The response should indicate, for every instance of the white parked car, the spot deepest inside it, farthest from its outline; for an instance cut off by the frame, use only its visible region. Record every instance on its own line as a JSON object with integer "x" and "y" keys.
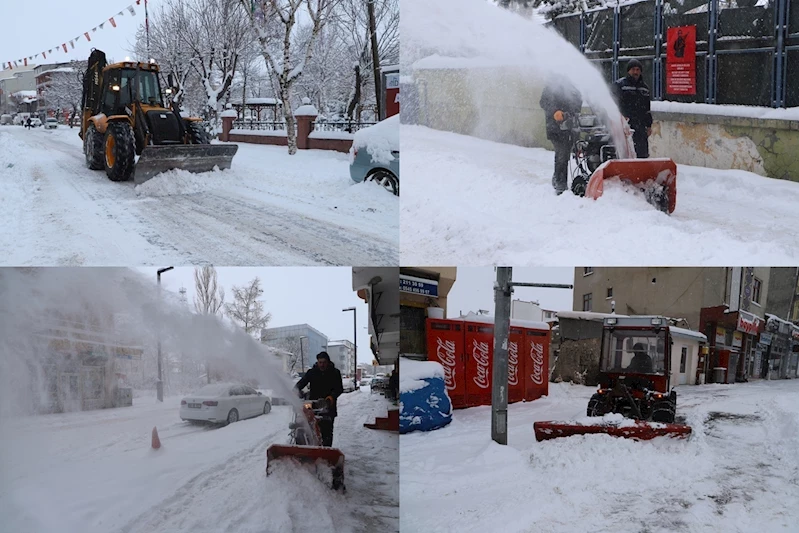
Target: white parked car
{"x": 36, "y": 122}
{"x": 50, "y": 123}
{"x": 366, "y": 382}
{"x": 224, "y": 403}
{"x": 348, "y": 384}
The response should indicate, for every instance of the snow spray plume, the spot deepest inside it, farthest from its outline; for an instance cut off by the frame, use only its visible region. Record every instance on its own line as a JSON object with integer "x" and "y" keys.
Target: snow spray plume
{"x": 494, "y": 43}
{"x": 51, "y": 316}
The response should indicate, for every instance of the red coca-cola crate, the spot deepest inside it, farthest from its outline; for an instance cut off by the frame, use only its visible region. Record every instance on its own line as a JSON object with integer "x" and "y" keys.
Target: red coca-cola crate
{"x": 516, "y": 382}
{"x": 479, "y": 360}
{"x": 445, "y": 345}
{"x": 536, "y": 363}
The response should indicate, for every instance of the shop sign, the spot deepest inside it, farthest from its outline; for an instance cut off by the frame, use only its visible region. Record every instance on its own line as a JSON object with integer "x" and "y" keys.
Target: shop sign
{"x": 749, "y": 323}
{"x": 425, "y": 287}
{"x": 721, "y": 335}
{"x": 765, "y": 338}
{"x": 737, "y": 339}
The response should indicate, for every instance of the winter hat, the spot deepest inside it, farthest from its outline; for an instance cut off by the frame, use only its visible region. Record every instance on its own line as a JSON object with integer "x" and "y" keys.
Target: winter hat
{"x": 322, "y": 355}
{"x": 634, "y": 63}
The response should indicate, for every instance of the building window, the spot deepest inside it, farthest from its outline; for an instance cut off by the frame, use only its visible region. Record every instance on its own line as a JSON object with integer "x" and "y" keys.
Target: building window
{"x": 587, "y": 271}
{"x": 610, "y": 292}
{"x": 587, "y": 302}
{"x": 683, "y": 357}
{"x": 757, "y": 286}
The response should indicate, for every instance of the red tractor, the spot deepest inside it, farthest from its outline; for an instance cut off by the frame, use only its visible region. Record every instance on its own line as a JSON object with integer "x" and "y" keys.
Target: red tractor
{"x": 634, "y": 372}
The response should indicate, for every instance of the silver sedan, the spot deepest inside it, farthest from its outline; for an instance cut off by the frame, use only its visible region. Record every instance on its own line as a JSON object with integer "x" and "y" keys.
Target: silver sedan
{"x": 224, "y": 403}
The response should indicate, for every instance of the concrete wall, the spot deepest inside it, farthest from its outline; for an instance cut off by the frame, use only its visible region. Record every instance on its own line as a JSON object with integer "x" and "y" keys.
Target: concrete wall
{"x": 765, "y": 147}
{"x": 576, "y": 357}
{"x": 691, "y": 360}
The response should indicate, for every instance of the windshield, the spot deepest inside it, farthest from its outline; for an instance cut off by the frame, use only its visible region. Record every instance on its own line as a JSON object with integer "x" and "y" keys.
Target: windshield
{"x": 634, "y": 351}
{"x": 149, "y": 92}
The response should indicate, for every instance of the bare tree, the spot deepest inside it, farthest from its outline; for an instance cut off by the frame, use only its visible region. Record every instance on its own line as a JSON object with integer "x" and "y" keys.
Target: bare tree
{"x": 247, "y": 310}
{"x": 65, "y": 88}
{"x": 278, "y": 19}
{"x": 208, "y": 299}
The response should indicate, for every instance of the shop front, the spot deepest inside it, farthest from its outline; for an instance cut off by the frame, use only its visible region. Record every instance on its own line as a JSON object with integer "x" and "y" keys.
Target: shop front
{"x": 780, "y": 340}
{"x": 735, "y": 354}
{"x": 422, "y": 294}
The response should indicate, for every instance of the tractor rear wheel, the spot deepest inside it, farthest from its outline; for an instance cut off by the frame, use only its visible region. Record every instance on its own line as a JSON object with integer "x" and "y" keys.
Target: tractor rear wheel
{"x": 120, "y": 151}
{"x": 197, "y": 135}
{"x": 595, "y": 406}
{"x": 93, "y": 148}
{"x": 663, "y": 411}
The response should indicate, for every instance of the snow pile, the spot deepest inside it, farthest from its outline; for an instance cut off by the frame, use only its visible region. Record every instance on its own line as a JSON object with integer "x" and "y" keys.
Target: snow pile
{"x": 179, "y": 181}
{"x": 307, "y": 110}
{"x": 456, "y": 33}
{"x": 791, "y": 113}
{"x": 379, "y": 140}
{"x": 229, "y": 113}
{"x": 425, "y": 404}
{"x": 610, "y": 419}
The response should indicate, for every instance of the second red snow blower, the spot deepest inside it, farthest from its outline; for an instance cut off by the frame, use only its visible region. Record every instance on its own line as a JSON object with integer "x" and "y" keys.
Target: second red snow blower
{"x": 634, "y": 370}
{"x": 597, "y": 160}
{"x": 305, "y": 445}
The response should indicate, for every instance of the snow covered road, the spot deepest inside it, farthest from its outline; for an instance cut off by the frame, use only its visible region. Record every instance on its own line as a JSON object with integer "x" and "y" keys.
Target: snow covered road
{"x": 268, "y": 209}
{"x": 94, "y": 471}
{"x": 469, "y": 201}
{"x": 739, "y": 472}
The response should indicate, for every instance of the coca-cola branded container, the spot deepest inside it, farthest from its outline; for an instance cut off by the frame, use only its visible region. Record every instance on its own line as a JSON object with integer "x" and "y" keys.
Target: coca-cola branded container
{"x": 465, "y": 348}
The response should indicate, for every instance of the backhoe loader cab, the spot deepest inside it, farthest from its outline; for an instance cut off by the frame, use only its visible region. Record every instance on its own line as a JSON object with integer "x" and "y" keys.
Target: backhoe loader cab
{"x": 124, "y": 115}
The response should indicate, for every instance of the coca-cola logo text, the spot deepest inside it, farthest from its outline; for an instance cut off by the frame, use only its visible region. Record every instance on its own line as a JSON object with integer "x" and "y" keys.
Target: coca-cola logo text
{"x": 513, "y": 363}
{"x": 480, "y": 354}
{"x": 537, "y": 355}
{"x": 445, "y": 352}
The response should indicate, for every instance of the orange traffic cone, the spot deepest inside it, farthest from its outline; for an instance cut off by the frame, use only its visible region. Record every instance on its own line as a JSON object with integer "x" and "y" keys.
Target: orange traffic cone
{"x": 156, "y": 440}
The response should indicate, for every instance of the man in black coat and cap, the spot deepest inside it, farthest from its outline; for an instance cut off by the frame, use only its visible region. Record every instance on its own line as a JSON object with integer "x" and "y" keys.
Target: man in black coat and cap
{"x": 559, "y": 100}
{"x": 325, "y": 381}
{"x": 632, "y": 95}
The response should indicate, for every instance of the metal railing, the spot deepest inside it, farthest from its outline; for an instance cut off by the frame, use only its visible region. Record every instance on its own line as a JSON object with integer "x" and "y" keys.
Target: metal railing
{"x": 345, "y": 126}
{"x": 264, "y": 125}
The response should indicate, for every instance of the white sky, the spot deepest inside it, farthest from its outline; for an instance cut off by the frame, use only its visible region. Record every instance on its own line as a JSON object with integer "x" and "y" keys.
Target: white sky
{"x": 30, "y": 29}
{"x": 474, "y": 289}
{"x": 294, "y": 295}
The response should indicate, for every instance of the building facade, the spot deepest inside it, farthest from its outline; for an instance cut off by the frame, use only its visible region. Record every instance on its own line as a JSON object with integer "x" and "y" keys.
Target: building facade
{"x": 300, "y": 339}
{"x": 342, "y": 353}
{"x": 12, "y": 82}
{"x": 378, "y": 287}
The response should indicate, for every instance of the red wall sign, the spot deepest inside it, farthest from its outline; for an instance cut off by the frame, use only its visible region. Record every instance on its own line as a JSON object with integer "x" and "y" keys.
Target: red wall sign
{"x": 681, "y": 60}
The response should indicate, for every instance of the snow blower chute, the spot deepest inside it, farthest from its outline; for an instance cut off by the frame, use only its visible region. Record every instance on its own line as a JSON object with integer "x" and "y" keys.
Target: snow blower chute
{"x": 305, "y": 446}
{"x": 633, "y": 399}
{"x": 597, "y": 160}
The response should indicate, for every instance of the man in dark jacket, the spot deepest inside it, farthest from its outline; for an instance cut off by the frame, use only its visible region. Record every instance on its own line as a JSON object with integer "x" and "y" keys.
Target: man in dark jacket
{"x": 393, "y": 383}
{"x": 325, "y": 381}
{"x": 632, "y": 95}
{"x": 559, "y": 100}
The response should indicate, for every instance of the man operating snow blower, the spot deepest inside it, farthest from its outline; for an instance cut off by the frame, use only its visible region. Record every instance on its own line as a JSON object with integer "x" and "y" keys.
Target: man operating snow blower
{"x": 325, "y": 381}
{"x": 559, "y": 100}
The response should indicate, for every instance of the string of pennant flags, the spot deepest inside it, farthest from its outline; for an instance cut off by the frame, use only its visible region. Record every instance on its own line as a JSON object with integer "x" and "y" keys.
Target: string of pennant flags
{"x": 86, "y": 35}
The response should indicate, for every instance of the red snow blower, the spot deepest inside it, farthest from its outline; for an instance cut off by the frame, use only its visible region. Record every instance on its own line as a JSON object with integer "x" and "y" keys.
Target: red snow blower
{"x": 634, "y": 366}
{"x": 597, "y": 161}
{"x": 305, "y": 446}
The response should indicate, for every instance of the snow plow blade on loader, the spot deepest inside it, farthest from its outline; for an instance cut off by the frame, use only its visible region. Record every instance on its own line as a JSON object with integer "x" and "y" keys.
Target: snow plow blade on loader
{"x": 191, "y": 157}
{"x": 633, "y": 429}
{"x": 657, "y": 177}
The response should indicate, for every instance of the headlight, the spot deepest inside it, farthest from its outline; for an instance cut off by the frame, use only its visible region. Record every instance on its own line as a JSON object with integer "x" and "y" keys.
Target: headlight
{"x": 115, "y": 87}
{"x": 611, "y": 321}
{"x": 656, "y": 322}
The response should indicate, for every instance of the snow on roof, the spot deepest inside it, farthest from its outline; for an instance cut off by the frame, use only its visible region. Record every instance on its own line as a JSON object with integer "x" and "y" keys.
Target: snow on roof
{"x": 412, "y": 373}
{"x": 379, "y": 140}
{"x": 26, "y": 93}
{"x": 587, "y": 315}
{"x": 62, "y": 69}
{"x": 488, "y": 319}
{"x": 741, "y": 111}
{"x": 257, "y": 101}
{"x": 681, "y": 332}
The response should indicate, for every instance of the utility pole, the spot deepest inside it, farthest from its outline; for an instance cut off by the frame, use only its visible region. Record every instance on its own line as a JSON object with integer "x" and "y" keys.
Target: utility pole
{"x": 370, "y": 6}
{"x": 503, "y": 289}
{"x": 302, "y": 355}
{"x": 159, "y": 386}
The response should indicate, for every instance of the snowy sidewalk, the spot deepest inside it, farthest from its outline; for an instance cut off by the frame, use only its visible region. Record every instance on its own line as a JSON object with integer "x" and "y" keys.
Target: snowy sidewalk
{"x": 739, "y": 472}
{"x": 469, "y": 201}
{"x": 94, "y": 471}
{"x": 268, "y": 209}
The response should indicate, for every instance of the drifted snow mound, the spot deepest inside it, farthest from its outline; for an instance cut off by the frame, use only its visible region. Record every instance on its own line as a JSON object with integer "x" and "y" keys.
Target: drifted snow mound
{"x": 424, "y": 402}
{"x": 379, "y": 140}
{"x": 178, "y": 181}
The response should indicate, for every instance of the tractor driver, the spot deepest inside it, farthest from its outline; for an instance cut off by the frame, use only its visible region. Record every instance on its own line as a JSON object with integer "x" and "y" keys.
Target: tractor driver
{"x": 641, "y": 362}
{"x": 325, "y": 381}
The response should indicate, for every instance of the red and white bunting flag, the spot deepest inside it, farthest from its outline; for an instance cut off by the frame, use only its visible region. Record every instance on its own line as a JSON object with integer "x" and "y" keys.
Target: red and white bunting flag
{"x": 101, "y": 25}
{"x": 138, "y": 2}
{"x": 72, "y": 44}
{"x": 15, "y": 63}
{"x": 131, "y": 10}
{"x": 121, "y": 14}
{"x": 65, "y": 47}
{"x": 26, "y": 61}
{"x": 44, "y": 55}
{"x": 111, "y": 20}
{"x": 94, "y": 29}
{"x": 9, "y": 65}
{"x": 87, "y": 36}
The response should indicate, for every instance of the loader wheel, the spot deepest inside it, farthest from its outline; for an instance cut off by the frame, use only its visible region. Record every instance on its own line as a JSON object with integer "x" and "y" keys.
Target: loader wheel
{"x": 120, "y": 150}
{"x": 93, "y": 148}
{"x": 663, "y": 411}
{"x": 197, "y": 135}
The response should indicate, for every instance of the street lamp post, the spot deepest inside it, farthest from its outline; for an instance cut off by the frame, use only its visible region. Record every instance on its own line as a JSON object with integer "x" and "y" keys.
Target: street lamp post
{"x": 160, "y": 383}
{"x": 354, "y": 339}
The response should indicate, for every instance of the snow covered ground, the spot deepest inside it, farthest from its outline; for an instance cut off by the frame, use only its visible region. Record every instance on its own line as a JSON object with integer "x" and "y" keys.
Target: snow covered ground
{"x": 739, "y": 471}
{"x": 268, "y": 209}
{"x": 94, "y": 471}
{"x": 469, "y": 201}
